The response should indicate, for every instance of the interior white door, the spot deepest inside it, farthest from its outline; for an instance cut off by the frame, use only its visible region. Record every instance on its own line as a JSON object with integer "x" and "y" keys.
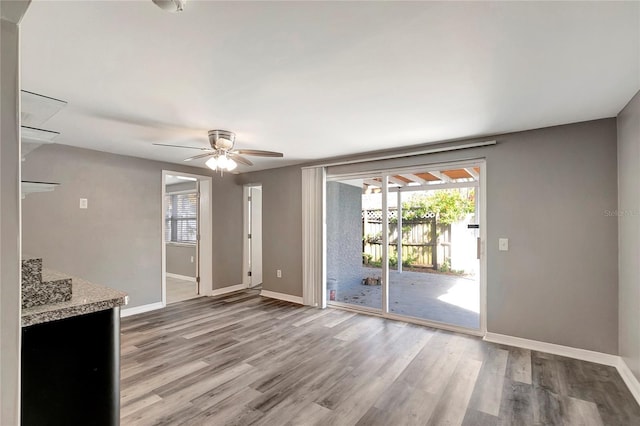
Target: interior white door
{"x": 256, "y": 236}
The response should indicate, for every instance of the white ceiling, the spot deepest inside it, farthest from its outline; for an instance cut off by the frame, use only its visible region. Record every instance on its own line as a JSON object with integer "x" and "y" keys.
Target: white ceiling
{"x": 316, "y": 79}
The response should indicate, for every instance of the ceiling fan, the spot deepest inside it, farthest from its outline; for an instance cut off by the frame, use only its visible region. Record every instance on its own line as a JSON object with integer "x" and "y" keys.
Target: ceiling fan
{"x": 222, "y": 152}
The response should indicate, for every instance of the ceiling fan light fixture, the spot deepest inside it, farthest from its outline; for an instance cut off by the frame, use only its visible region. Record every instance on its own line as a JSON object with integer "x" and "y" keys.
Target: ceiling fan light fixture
{"x": 212, "y": 163}
{"x": 222, "y": 162}
{"x": 223, "y": 156}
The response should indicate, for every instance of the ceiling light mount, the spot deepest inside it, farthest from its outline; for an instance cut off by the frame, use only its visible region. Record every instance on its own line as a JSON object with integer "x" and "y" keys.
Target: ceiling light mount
{"x": 222, "y": 139}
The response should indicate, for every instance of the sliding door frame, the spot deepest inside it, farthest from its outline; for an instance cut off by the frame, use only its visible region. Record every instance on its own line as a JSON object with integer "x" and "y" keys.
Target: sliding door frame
{"x": 482, "y": 205}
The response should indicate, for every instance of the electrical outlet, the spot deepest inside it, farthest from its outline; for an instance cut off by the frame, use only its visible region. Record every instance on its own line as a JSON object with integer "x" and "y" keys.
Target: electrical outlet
{"x": 84, "y": 203}
{"x": 503, "y": 244}
{"x": 279, "y": 273}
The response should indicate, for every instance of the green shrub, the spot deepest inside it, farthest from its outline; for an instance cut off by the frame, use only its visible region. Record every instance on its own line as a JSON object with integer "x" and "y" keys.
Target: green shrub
{"x": 446, "y": 267}
{"x": 373, "y": 239}
{"x": 408, "y": 262}
{"x": 393, "y": 261}
{"x": 449, "y": 204}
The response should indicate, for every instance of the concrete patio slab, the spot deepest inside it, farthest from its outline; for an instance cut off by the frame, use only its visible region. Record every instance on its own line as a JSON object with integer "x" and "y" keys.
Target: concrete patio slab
{"x": 449, "y": 299}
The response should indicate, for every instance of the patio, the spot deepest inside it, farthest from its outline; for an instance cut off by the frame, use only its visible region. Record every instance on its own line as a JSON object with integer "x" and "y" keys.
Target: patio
{"x": 449, "y": 299}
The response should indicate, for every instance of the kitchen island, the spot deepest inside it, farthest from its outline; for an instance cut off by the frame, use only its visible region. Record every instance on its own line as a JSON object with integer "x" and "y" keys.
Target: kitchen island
{"x": 71, "y": 358}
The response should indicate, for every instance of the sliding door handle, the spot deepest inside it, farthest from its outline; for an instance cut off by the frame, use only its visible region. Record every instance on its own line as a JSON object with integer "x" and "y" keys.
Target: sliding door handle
{"x": 478, "y": 247}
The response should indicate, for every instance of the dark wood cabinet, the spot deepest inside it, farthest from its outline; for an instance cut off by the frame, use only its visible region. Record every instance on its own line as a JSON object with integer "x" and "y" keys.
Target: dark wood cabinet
{"x": 71, "y": 371}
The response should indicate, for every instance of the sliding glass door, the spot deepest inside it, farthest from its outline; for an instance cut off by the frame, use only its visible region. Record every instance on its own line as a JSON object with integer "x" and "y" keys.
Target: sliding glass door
{"x": 433, "y": 247}
{"x": 354, "y": 242}
{"x": 407, "y": 243}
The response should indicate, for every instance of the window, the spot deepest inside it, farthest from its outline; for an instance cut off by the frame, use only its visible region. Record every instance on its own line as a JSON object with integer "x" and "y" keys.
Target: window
{"x": 181, "y": 218}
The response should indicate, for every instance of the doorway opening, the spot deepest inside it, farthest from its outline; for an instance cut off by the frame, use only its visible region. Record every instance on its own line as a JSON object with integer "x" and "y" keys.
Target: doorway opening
{"x": 252, "y": 265}
{"x": 408, "y": 244}
{"x": 186, "y": 230}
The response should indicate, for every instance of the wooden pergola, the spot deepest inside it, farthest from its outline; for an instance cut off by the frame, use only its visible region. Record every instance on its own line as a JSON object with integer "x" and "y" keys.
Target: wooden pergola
{"x": 426, "y": 181}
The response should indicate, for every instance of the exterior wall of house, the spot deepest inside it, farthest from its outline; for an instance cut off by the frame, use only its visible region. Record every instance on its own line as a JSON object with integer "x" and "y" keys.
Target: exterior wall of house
{"x": 117, "y": 241}
{"x": 629, "y": 233}
{"x": 344, "y": 234}
{"x": 464, "y": 246}
{"x": 548, "y": 191}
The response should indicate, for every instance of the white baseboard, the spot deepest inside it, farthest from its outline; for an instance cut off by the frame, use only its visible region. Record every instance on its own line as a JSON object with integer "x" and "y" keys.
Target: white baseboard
{"x": 225, "y": 290}
{"x": 181, "y": 277}
{"x": 281, "y": 296}
{"x": 582, "y": 354}
{"x": 141, "y": 309}
{"x": 629, "y": 379}
{"x": 552, "y": 348}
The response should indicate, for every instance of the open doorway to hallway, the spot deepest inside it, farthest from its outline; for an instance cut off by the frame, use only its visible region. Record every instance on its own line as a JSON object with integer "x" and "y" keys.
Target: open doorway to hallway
{"x": 181, "y": 237}
{"x": 187, "y": 238}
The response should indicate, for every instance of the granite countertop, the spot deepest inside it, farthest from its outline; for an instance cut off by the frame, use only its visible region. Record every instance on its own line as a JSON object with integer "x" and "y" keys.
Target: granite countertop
{"x": 86, "y": 298}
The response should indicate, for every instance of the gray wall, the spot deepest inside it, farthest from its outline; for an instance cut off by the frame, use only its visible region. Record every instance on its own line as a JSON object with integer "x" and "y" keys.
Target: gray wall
{"x": 179, "y": 259}
{"x": 227, "y": 231}
{"x": 344, "y": 234}
{"x": 547, "y": 191}
{"x": 629, "y": 234}
{"x": 281, "y": 227}
{"x": 117, "y": 241}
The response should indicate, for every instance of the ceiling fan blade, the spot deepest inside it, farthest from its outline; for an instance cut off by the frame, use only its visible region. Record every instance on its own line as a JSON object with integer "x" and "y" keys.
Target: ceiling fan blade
{"x": 182, "y": 146}
{"x": 239, "y": 158}
{"x": 258, "y": 153}
{"x": 195, "y": 157}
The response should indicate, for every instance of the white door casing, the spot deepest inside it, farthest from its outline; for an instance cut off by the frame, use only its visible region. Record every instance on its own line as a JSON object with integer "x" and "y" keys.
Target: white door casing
{"x": 205, "y": 232}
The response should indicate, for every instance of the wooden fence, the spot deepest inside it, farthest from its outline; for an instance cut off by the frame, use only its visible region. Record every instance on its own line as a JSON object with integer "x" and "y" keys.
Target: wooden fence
{"x": 424, "y": 240}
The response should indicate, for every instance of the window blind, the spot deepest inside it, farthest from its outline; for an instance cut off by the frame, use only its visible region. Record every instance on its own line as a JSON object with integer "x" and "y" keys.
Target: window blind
{"x": 181, "y": 218}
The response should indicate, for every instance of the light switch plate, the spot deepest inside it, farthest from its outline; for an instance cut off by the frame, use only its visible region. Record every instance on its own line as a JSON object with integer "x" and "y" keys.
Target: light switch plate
{"x": 503, "y": 244}
{"x": 84, "y": 203}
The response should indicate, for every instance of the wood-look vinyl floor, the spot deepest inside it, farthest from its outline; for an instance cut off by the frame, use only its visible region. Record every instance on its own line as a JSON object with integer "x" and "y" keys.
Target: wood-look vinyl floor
{"x": 241, "y": 359}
